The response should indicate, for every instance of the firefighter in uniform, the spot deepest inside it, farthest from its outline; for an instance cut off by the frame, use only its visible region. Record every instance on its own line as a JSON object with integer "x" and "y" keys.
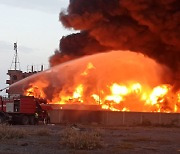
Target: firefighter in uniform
{"x": 36, "y": 118}
{"x": 46, "y": 118}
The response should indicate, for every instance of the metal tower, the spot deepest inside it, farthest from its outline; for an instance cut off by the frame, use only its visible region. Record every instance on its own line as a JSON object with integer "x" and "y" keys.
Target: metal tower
{"x": 15, "y": 65}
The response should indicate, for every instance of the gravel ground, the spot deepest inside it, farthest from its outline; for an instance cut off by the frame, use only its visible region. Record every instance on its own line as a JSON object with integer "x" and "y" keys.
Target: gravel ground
{"x": 114, "y": 140}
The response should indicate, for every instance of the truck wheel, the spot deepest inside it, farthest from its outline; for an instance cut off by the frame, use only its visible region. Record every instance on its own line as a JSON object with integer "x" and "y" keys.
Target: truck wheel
{"x": 31, "y": 120}
{"x": 25, "y": 120}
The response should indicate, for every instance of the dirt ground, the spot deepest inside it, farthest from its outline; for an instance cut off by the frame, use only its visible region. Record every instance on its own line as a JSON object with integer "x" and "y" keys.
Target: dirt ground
{"x": 140, "y": 140}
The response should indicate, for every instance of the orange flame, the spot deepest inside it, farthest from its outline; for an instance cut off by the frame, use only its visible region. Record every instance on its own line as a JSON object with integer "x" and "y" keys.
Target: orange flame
{"x": 36, "y": 89}
{"x": 128, "y": 95}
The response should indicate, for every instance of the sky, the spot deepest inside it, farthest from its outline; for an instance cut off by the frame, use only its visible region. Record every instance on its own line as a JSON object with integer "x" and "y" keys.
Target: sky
{"x": 35, "y": 26}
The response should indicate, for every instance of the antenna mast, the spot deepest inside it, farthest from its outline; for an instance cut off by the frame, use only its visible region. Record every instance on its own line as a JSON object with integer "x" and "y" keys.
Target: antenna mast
{"x": 15, "y": 58}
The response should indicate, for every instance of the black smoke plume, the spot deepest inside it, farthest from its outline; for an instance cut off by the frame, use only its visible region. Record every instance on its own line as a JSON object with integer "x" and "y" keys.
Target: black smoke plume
{"x": 147, "y": 26}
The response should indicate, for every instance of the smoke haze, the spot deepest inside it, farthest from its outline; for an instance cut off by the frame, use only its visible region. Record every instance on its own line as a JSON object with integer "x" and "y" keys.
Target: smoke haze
{"x": 147, "y": 26}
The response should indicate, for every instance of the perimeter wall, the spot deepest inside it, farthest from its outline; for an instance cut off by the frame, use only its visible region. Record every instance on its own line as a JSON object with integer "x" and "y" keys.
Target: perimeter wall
{"x": 112, "y": 118}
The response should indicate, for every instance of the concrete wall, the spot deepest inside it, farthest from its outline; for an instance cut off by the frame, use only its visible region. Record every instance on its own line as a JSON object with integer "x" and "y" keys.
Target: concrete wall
{"x": 114, "y": 118}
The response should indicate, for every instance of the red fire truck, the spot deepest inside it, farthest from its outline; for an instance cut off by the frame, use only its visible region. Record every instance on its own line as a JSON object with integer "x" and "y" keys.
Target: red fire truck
{"x": 23, "y": 110}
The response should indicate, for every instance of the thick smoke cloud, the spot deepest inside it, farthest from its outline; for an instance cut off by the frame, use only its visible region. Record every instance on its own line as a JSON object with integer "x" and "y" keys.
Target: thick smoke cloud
{"x": 147, "y": 26}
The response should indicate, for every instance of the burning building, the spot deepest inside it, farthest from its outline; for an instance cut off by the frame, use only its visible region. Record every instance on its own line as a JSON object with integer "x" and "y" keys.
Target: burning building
{"x": 124, "y": 57}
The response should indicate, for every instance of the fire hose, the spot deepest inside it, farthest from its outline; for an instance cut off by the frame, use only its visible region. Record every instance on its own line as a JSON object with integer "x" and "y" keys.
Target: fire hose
{"x": 4, "y": 89}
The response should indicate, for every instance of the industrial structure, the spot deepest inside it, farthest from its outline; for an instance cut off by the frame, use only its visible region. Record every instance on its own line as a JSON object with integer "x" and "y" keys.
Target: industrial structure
{"x": 18, "y": 109}
{"x": 15, "y": 73}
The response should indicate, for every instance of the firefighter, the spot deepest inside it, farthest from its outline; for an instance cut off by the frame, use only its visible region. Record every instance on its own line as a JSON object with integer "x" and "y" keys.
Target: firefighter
{"x": 36, "y": 118}
{"x": 46, "y": 118}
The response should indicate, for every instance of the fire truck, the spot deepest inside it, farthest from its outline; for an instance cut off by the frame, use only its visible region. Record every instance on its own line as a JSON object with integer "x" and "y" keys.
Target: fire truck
{"x": 23, "y": 110}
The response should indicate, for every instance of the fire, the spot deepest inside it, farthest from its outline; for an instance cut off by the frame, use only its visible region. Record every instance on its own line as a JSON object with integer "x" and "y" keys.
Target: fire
{"x": 158, "y": 94}
{"x": 78, "y": 93}
{"x": 117, "y": 93}
{"x": 119, "y": 90}
{"x": 89, "y": 66}
{"x": 136, "y": 87}
{"x": 124, "y": 87}
{"x": 36, "y": 89}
